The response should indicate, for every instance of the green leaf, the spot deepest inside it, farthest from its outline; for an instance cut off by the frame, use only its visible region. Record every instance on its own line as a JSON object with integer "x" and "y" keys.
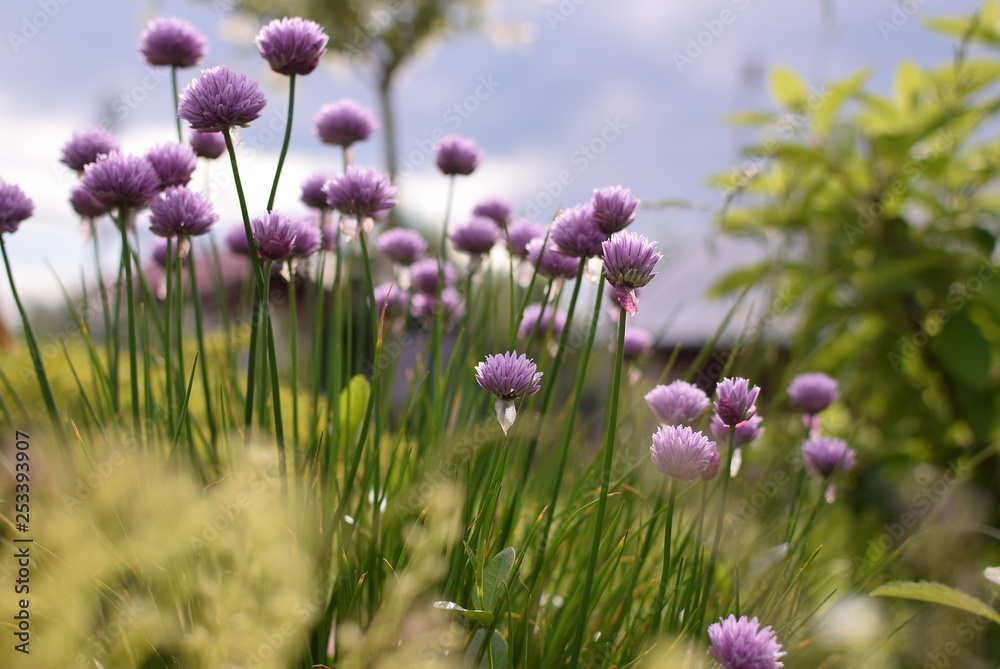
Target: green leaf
{"x": 353, "y": 401}
{"x": 751, "y": 118}
{"x": 497, "y": 573}
{"x": 788, "y": 89}
{"x": 910, "y": 81}
{"x": 964, "y": 351}
{"x": 937, "y": 593}
{"x": 498, "y": 648}
{"x": 485, "y": 618}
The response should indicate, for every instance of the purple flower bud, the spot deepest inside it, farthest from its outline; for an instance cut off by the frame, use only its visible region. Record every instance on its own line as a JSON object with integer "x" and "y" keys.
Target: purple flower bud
{"x": 85, "y": 204}
{"x": 550, "y": 263}
{"x": 457, "y": 155}
{"x": 713, "y": 466}
{"x": 15, "y": 207}
{"x": 813, "y": 392}
{"x": 403, "y": 247}
{"x": 746, "y": 432}
{"x": 824, "y": 456}
{"x": 424, "y": 275}
{"x": 575, "y": 234}
{"x": 343, "y": 123}
{"x": 681, "y": 453}
{"x": 173, "y": 163}
{"x": 120, "y": 180}
{"x": 509, "y": 376}
{"x": 219, "y": 100}
{"x": 741, "y": 644}
{"x": 361, "y": 191}
{"x": 614, "y": 209}
{"x": 676, "y": 403}
{"x": 735, "y": 401}
{"x": 274, "y": 235}
{"x": 496, "y": 209}
{"x": 180, "y": 212}
{"x": 424, "y": 307}
{"x": 476, "y": 237}
{"x": 171, "y": 41}
{"x": 209, "y": 145}
{"x": 308, "y": 238}
{"x": 530, "y": 322}
{"x": 85, "y": 146}
{"x": 638, "y": 342}
{"x": 312, "y": 190}
{"x": 393, "y": 299}
{"x": 629, "y": 259}
{"x": 292, "y": 46}
{"x": 522, "y": 231}
{"x": 236, "y": 241}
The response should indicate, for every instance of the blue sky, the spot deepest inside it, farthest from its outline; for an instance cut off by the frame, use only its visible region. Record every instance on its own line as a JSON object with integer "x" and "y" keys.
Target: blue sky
{"x": 599, "y": 92}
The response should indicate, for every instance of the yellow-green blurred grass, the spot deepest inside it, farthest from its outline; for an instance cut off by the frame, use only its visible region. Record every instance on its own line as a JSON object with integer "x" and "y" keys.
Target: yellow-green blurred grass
{"x": 134, "y": 560}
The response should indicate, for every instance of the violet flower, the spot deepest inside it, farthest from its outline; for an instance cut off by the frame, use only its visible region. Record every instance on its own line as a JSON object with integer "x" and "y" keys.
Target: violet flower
{"x": 208, "y": 145}
{"x": 508, "y": 377}
{"x": 85, "y": 204}
{"x": 457, "y": 155}
{"x": 629, "y": 259}
{"x": 274, "y": 235}
{"x": 813, "y": 392}
{"x": 168, "y": 40}
{"x": 520, "y": 232}
{"x": 85, "y": 146}
{"x": 496, "y": 209}
{"x": 181, "y": 212}
{"x": 15, "y": 207}
{"x": 735, "y": 401}
{"x": 682, "y": 453}
{"x": 173, "y": 163}
{"x": 476, "y": 237}
{"x": 614, "y": 209}
{"x": 551, "y": 263}
{"x": 825, "y": 456}
{"x": 219, "y": 100}
{"x": 741, "y": 644}
{"x": 676, "y": 403}
{"x": 401, "y": 246}
{"x": 343, "y": 123}
{"x": 292, "y": 45}
{"x": 120, "y": 180}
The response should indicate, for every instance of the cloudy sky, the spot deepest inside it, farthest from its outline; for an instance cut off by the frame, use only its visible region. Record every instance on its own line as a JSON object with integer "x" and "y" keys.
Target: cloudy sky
{"x": 563, "y": 97}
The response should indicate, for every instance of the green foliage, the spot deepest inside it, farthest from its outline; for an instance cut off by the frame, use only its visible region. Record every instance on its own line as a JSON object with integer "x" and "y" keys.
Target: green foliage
{"x": 938, "y": 593}
{"x": 878, "y": 214}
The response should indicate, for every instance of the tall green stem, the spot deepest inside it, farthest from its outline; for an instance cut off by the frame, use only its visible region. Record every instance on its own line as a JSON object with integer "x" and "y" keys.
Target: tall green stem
{"x": 661, "y": 599}
{"x": 718, "y": 525}
{"x": 133, "y": 360}
{"x": 293, "y": 317}
{"x": 284, "y": 143}
{"x": 199, "y": 330}
{"x": 602, "y": 500}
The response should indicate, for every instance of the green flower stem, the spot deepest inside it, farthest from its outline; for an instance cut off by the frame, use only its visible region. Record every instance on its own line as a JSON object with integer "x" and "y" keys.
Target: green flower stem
{"x": 177, "y": 118}
{"x": 602, "y": 501}
{"x": 661, "y": 598}
{"x": 438, "y": 335}
{"x": 36, "y": 356}
{"x": 167, "y": 344}
{"x": 102, "y": 289}
{"x": 199, "y": 330}
{"x": 182, "y": 386}
{"x": 710, "y": 573}
{"x": 284, "y": 143}
{"x": 133, "y": 360}
{"x": 279, "y": 432}
{"x": 294, "y": 334}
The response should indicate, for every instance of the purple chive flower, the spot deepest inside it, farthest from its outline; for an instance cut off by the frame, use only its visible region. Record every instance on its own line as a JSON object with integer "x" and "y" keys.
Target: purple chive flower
{"x": 508, "y": 377}
{"x": 522, "y": 231}
{"x": 15, "y": 207}
{"x": 219, "y": 100}
{"x": 530, "y": 322}
{"x": 393, "y": 299}
{"x": 160, "y": 252}
{"x": 735, "y": 401}
{"x": 85, "y": 204}
{"x": 330, "y": 237}
{"x": 171, "y": 41}
{"x": 496, "y": 209}
{"x": 403, "y": 247}
{"x": 682, "y": 453}
{"x": 424, "y": 306}
{"x": 343, "y": 123}
{"x": 180, "y": 211}
{"x": 826, "y": 455}
{"x": 476, "y": 237}
{"x": 813, "y": 392}
{"x": 361, "y": 191}
{"x": 629, "y": 259}
{"x": 424, "y": 275}
{"x": 121, "y": 180}
{"x": 678, "y": 402}
{"x": 308, "y": 239}
{"x": 312, "y": 190}
{"x": 746, "y": 432}
{"x": 457, "y": 155}
{"x": 550, "y": 263}
{"x": 236, "y": 241}
{"x": 638, "y": 342}
{"x": 274, "y": 235}
{"x": 209, "y": 145}
{"x": 85, "y": 146}
{"x": 292, "y": 46}
{"x": 173, "y": 163}
{"x": 614, "y": 209}
{"x": 575, "y": 234}
{"x": 741, "y": 644}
